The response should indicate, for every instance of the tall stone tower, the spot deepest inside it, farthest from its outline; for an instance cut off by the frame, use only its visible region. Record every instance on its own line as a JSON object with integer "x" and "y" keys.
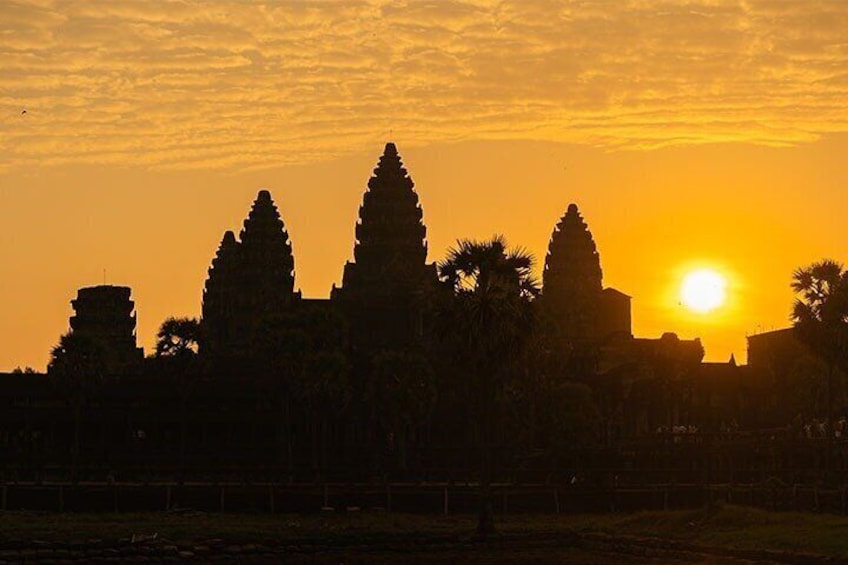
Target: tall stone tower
{"x": 250, "y": 282}
{"x": 383, "y": 288}
{"x": 266, "y": 262}
{"x": 572, "y": 278}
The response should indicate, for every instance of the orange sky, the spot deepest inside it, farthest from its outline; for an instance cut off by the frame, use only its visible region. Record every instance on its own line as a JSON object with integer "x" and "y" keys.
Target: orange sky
{"x": 689, "y": 133}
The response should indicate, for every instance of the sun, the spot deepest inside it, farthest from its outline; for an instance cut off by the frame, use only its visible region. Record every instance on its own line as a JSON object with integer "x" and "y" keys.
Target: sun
{"x": 703, "y": 290}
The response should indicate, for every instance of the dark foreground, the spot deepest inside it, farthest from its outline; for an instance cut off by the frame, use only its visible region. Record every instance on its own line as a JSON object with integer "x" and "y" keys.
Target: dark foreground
{"x": 715, "y": 535}
{"x": 522, "y": 552}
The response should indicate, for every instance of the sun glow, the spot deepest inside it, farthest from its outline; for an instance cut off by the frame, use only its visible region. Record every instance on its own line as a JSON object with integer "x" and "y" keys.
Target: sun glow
{"x": 703, "y": 290}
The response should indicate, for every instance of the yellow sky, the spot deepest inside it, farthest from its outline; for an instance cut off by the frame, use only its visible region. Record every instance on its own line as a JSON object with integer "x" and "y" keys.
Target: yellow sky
{"x": 690, "y": 134}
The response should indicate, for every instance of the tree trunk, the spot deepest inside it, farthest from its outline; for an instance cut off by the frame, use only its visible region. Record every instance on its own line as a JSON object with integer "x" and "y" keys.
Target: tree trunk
{"x": 75, "y": 453}
{"x": 486, "y": 515}
{"x": 183, "y": 434}
{"x": 316, "y": 456}
{"x": 287, "y": 431}
{"x": 324, "y": 427}
{"x": 829, "y": 428}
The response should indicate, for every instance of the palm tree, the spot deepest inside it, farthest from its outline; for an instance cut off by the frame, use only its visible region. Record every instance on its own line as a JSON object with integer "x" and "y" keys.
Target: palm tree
{"x": 491, "y": 318}
{"x": 820, "y": 316}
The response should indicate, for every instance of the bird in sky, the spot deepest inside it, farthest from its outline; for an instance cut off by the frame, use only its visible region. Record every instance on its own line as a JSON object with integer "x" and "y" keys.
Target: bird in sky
{"x": 24, "y": 111}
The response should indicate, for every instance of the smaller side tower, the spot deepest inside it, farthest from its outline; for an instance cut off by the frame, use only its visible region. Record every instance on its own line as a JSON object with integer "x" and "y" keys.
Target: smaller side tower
{"x": 573, "y": 292}
{"x": 220, "y": 300}
{"x": 572, "y": 279}
{"x": 105, "y": 314}
{"x": 250, "y": 285}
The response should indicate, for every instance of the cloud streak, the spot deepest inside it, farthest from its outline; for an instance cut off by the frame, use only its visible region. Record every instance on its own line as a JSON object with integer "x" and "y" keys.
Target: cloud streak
{"x": 238, "y": 85}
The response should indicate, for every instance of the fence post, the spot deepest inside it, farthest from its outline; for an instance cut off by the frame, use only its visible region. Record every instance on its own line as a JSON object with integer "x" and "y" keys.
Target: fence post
{"x": 5, "y": 489}
{"x": 61, "y": 498}
{"x": 271, "y": 502}
{"x": 505, "y": 502}
{"x": 446, "y": 501}
{"x": 388, "y": 497}
{"x": 222, "y": 499}
{"x": 167, "y": 498}
{"x": 115, "y": 498}
{"x": 326, "y": 496}
{"x": 665, "y": 497}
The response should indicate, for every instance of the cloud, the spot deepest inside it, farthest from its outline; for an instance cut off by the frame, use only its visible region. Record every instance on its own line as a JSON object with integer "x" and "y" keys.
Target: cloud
{"x": 243, "y": 85}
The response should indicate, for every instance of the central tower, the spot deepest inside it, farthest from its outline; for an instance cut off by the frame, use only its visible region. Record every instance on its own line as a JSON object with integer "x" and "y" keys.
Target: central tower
{"x": 383, "y": 287}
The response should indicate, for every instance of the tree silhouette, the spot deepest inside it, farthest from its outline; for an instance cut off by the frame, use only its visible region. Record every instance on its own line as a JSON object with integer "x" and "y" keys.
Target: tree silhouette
{"x": 176, "y": 359}
{"x": 301, "y": 364}
{"x": 78, "y": 363}
{"x": 820, "y": 316}
{"x": 401, "y": 389}
{"x": 324, "y": 388}
{"x": 555, "y": 413}
{"x": 279, "y": 352}
{"x": 178, "y": 337}
{"x": 491, "y": 317}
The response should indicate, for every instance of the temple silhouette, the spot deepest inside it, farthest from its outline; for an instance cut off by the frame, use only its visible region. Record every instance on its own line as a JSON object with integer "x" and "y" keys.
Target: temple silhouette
{"x": 283, "y": 387}
{"x": 385, "y": 289}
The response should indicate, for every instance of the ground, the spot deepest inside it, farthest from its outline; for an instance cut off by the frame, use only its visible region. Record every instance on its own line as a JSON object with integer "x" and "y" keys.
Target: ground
{"x": 716, "y": 535}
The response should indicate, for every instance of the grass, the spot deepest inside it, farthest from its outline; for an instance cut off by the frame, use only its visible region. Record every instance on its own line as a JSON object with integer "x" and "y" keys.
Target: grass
{"x": 236, "y": 528}
{"x": 731, "y": 526}
{"x": 720, "y": 525}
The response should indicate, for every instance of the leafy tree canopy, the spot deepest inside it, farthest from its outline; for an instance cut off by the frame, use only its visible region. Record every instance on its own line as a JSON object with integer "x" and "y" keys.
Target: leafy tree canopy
{"x": 178, "y": 337}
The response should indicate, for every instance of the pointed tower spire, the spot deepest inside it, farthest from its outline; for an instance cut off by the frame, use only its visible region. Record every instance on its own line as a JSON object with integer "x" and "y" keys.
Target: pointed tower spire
{"x": 220, "y": 297}
{"x": 249, "y": 283}
{"x": 267, "y": 262}
{"x": 382, "y": 287}
{"x": 572, "y": 278}
{"x": 390, "y": 248}
{"x": 222, "y": 271}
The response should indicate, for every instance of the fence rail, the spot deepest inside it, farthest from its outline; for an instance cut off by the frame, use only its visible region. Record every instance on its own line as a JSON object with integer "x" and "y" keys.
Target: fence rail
{"x": 430, "y": 498}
